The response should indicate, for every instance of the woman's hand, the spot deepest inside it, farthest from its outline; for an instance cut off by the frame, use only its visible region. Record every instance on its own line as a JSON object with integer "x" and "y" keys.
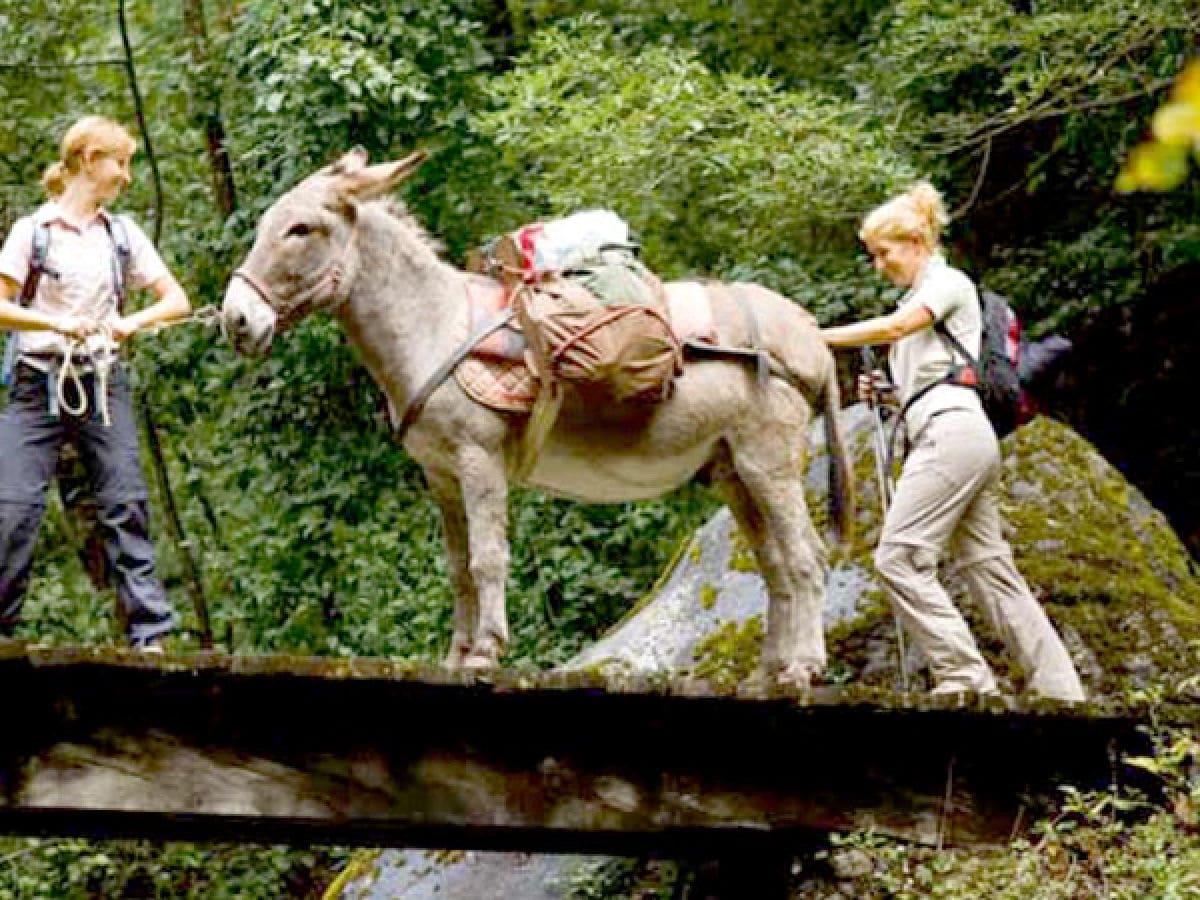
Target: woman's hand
{"x": 123, "y": 328}
{"x": 876, "y": 388}
{"x": 76, "y": 327}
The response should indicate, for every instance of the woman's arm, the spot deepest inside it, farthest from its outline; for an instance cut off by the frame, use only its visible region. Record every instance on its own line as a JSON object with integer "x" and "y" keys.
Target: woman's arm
{"x": 14, "y": 317}
{"x": 172, "y": 304}
{"x": 881, "y": 329}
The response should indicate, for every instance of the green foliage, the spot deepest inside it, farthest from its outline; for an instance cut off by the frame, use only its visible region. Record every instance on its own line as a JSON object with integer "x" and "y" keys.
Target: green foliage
{"x": 729, "y": 37}
{"x": 1026, "y": 143}
{"x": 84, "y": 870}
{"x": 755, "y": 174}
{"x": 626, "y": 877}
{"x": 980, "y": 70}
{"x": 1109, "y": 843}
{"x": 310, "y": 79}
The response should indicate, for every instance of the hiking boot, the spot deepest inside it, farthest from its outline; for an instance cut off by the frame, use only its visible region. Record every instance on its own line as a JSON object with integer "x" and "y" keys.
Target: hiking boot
{"x": 151, "y": 645}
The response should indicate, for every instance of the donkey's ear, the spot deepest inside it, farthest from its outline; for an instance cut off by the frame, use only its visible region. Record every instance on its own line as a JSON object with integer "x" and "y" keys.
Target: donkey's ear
{"x": 371, "y": 182}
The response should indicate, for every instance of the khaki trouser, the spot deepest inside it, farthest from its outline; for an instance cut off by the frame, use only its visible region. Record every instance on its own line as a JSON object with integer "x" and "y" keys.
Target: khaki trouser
{"x": 945, "y": 500}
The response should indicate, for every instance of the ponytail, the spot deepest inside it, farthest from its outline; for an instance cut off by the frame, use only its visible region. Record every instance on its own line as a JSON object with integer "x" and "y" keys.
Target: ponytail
{"x": 927, "y": 202}
{"x": 54, "y": 180}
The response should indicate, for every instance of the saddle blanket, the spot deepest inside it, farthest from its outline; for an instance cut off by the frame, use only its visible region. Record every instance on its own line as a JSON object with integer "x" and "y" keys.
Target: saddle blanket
{"x": 496, "y": 375}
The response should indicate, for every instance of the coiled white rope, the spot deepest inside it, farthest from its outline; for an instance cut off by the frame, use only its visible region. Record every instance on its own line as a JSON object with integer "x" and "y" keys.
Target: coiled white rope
{"x": 101, "y": 358}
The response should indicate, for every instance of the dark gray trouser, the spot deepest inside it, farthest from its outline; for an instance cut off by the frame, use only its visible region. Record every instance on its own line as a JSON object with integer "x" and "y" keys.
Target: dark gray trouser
{"x": 30, "y": 440}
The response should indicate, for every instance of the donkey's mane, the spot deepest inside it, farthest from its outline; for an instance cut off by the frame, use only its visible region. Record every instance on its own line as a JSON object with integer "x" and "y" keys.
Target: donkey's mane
{"x": 399, "y": 212}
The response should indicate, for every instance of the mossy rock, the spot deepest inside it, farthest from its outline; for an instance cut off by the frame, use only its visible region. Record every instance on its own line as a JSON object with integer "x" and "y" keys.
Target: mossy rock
{"x": 1113, "y": 576}
{"x": 1112, "y": 573}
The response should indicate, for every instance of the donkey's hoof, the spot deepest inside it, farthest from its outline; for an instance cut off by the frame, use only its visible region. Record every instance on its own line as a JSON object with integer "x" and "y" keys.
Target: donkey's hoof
{"x": 479, "y": 662}
{"x": 455, "y": 657}
{"x": 788, "y": 680}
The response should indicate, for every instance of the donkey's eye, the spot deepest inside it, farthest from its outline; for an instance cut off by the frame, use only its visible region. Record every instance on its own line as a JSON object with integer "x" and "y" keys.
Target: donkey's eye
{"x": 299, "y": 230}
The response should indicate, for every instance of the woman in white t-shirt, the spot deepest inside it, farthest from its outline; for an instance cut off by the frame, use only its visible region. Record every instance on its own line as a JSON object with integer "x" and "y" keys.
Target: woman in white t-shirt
{"x": 945, "y": 506}
{"x": 67, "y": 383}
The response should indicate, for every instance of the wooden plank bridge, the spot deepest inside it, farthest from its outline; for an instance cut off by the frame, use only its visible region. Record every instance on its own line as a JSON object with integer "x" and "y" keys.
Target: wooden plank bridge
{"x": 299, "y": 750}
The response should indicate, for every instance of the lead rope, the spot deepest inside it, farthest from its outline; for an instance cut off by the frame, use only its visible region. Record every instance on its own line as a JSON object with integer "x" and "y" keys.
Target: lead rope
{"x": 102, "y": 358}
{"x": 68, "y": 373}
{"x": 205, "y": 315}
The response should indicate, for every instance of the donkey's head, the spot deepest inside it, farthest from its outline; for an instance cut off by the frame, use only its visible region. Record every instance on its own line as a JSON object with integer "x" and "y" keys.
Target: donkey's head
{"x": 304, "y": 256}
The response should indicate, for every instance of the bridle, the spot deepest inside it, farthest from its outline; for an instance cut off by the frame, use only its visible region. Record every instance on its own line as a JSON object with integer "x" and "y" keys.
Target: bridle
{"x": 325, "y": 291}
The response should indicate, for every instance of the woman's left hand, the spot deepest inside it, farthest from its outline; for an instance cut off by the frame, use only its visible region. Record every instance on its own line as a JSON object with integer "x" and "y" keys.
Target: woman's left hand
{"x": 123, "y": 328}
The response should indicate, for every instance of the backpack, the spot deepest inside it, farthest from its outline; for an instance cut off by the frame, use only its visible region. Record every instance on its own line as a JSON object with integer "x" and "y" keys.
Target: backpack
{"x": 995, "y": 374}
{"x": 40, "y": 250}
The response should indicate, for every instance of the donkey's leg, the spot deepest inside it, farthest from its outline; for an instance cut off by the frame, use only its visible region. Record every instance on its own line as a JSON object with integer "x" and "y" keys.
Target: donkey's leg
{"x": 767, "y": 464}
{"x": 781, "y": 619}
{"x": 808, "y": 565}
{"x": 448, "y": 495}
{"x": 485, "y": 498}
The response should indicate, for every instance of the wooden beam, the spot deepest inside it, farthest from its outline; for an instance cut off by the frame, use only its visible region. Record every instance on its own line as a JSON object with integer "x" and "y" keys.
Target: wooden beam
{"x": 297, "y": 750}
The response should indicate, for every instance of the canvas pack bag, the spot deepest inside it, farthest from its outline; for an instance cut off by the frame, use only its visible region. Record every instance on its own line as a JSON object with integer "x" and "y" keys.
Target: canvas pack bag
{"x": 601, "y": 324}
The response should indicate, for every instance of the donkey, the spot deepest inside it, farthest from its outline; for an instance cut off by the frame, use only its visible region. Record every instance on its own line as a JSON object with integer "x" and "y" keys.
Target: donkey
{"x": 328, "y": 244}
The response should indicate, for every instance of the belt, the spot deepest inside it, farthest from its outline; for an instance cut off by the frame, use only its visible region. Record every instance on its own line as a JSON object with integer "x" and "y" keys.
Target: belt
{"x": 44, "y": 362}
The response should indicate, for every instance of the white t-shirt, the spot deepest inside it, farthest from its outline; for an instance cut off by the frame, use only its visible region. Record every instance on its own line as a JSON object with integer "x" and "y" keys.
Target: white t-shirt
{"x": 924, "y": 357}
{"x": 81, "y": 258}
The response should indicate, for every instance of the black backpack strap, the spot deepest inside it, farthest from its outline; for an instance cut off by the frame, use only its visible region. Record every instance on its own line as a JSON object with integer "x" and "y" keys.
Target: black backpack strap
{"x": 944, "y": 333}
{"x": 38, "y": 253}
{"x": 119, "y": 235}
{"x": 953, "y": 377}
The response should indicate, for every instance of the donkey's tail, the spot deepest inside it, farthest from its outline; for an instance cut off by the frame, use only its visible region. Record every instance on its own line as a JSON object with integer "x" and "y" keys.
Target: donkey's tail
{"x": 841, "y": 471}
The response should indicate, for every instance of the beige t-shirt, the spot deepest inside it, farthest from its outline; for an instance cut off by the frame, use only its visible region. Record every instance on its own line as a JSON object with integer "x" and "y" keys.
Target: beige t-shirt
{"x": 81, "y": 258}
{"x": 924, "y": 357}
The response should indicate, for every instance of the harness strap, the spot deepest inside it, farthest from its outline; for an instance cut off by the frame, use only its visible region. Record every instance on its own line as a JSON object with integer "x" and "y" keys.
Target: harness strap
{"x": 38, "y": 255}
{"x": 256, "y": 284}
{"x": 416, "y": 404}
{"x": 764, "y": 365}
{"x": 955, "y": 344}
{"x": 958, "y": 376}
{"x": 762, "y": 369}
{"x": 119, "y": 236}
{"x": 37, "y": 266}
{"x": 37, "y": 263}
{"x": 950, "y": 378}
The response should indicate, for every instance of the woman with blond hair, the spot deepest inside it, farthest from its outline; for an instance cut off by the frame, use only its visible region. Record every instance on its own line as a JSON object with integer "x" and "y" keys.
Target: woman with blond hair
{"x": 945, "y": 505}
{"x": 63, "y": 272}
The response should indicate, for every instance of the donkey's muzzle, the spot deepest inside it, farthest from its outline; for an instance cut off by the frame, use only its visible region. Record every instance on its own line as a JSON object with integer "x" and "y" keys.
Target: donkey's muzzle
{"x": 246, "y": 319}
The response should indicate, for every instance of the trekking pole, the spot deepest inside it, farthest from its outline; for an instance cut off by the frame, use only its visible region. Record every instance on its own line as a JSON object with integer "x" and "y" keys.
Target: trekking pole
{"x": 879, "y": 435}
{"x": 886, "y": 485}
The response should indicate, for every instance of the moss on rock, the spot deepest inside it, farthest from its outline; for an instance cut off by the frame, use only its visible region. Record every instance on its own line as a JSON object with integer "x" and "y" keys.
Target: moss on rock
{"x": 1113, "y": 576}
{"x": 730, "y": 653}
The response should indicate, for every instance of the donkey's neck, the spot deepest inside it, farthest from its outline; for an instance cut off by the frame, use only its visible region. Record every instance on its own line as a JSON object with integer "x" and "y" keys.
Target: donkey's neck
{"x": 407, "y": 309}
